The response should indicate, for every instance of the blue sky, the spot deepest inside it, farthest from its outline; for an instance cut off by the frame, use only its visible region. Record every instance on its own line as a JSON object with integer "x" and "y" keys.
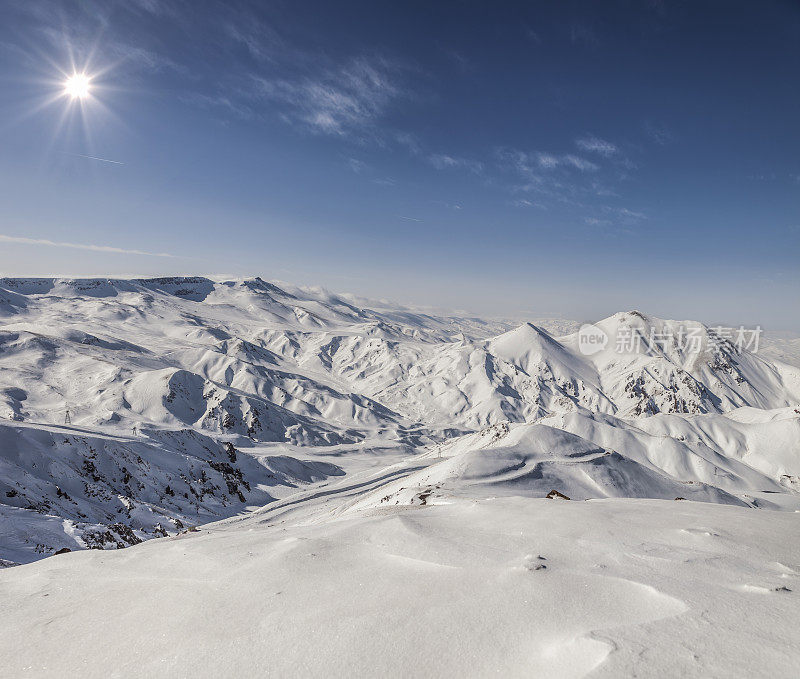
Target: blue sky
{"x": 570, "y": 158}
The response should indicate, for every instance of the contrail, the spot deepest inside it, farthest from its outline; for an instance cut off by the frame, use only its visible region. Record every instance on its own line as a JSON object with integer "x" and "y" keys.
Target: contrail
{"x": 80, "y": 246}
{"x": 410, "y": 219}
{"x": 104, "y": 160}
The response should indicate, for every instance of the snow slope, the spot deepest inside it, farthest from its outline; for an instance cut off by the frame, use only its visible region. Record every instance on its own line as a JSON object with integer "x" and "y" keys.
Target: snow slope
{"x": 511, "y": 587}
{"x": 112, "y": 491}
{"x": 338, "y": 486}
{"x": 158, "y": 377}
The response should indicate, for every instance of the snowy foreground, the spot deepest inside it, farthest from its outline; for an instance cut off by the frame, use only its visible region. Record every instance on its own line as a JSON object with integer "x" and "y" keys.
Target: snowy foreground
{"x": 497, "y": 586}
{"x": 203, "y": 478}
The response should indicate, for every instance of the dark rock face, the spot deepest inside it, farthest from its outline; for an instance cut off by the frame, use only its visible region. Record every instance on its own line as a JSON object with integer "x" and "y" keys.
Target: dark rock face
{"x": 111, "y": 493}
{"x": 555, "y": 495}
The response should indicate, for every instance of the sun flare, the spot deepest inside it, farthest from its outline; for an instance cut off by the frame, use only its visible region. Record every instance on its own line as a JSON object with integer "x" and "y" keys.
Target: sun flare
{"x": 77, "y": 86}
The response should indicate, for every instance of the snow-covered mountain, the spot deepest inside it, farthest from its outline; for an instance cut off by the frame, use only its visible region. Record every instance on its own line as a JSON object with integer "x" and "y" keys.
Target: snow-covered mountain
{"x": 136, "y": 408}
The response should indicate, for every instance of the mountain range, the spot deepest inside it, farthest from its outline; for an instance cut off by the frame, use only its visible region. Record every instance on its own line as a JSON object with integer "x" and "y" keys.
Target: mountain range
{"x": 132, "y": 409}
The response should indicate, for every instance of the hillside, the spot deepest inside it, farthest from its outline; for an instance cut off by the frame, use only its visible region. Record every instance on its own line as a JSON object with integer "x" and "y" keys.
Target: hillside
{"x": 137, "y": 408}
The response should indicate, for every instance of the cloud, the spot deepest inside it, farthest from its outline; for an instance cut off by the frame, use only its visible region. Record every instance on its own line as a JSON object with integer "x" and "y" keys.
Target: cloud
{"x": 157, "y": 7}
{"x": 597, "y": 145}
{"x": 548, "y": 161}
{"x": 659, "y": 134}
{"x": 579, "y": 163}
{"x": 80, "y": 246}
{"x": 409, "y": 219}
{"x": 516, "y": 160}
{"x": 237, "y": 108}
{"x": 532, "y": 35}
{"x": 570, "y": 180}
{"x": 626, "y": 215}
{"x": 599, "y": 189}
{"x": 442, "y": 162}
{"x": 580, "y": 34}
{"x": 459, "y": 59}
{"x": 449, "y": 206}
{"x": 260, "y": 41}
{"x": 356, "y": 165}
{"x": 339, "y": 101}
{"x": 528, "y": 203}
{"x": 76, "y": 35}
{"x": 533, "y": 168}
{"x": 410, "y": 142}
{"x": 630, "y": 214}
{"x": 144, "y": 58}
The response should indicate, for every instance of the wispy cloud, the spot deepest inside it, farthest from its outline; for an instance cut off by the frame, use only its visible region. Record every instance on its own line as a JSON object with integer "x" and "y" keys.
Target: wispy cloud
{"x": 449, "y": 206}
{"x": 157, "y": 7}
{"x": 625, "y": 214}
{"x": 220, "y": 102}
{"x": 534, "y": 170}
{"x": 579, "y": 163}
{"x": 630, "y": 214}
{"x": 658, "y": 133}
{"x": 459, "y": 59}
{"x": 339, "y": 101}
{"x": 571, "y": 181}
{"x": 515, "y": 159}
{"x": 581, "y": 34}
{"x": 442, "y": 162}
{"x": 596, "y": 145}
{"x": 532, "y": 35}
{"x": 599, "y": 189}
{"x": 410, "y": 142}
{"x": 523, "y": 202}
{"x": 409, "y": 219}
{"x": 262, "y": 42}
{"x": 144, "y": 58}
{"x": 80, "y": 246}
{"x": 78, "y": 38}
{"x": 548, "y": 161}
{"x": 356, "y": 165}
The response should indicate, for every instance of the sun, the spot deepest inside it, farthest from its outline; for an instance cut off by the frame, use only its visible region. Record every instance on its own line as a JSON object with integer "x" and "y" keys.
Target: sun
{"x": 77, "y": 86}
